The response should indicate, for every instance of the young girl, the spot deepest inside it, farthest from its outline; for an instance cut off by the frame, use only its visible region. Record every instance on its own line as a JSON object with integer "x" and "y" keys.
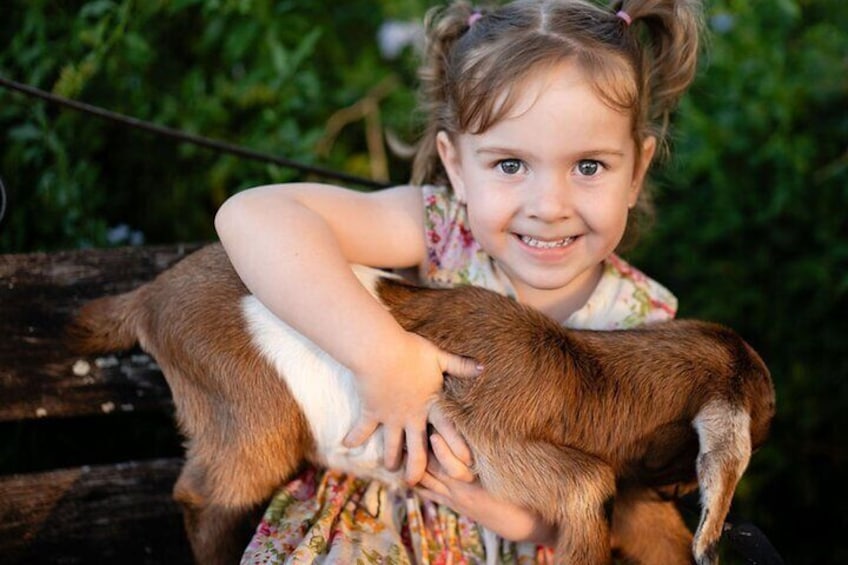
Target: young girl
{"x": 543, "y": 118}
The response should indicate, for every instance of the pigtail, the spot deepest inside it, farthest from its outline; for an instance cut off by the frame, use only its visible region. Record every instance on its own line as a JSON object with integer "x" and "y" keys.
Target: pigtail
{"x": 444, "y": 26}
{"x": 668, "y": 33}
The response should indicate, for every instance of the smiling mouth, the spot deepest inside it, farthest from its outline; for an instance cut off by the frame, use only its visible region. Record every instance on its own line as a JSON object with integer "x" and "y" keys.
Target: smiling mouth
{"x": 545, "y": 244}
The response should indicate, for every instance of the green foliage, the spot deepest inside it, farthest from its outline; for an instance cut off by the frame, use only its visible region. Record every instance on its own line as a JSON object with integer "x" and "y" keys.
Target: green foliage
{"x": 258, "y": 73}
{"x": 751, "y": 229}
{"x": 752, "y": 232}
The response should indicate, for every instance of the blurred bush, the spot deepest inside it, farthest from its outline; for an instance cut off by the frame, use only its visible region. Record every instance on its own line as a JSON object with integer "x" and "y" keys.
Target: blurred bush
{"x": 752, "y": 231}
{"x": 263, "y": 74}
{"x": 751, "y": 228}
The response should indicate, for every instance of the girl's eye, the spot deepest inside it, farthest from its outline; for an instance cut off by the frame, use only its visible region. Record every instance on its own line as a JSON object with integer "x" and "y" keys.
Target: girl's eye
{"x": 588, "y": 167}
{"x": 510, "y": 166}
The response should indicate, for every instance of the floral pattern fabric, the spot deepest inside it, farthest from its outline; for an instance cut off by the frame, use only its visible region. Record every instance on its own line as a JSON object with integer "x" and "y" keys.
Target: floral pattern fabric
{"x": 331, "y": 517}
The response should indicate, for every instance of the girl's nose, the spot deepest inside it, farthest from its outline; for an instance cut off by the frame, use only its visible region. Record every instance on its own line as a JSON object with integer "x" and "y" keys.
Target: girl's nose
{"x": 549, "y": 200}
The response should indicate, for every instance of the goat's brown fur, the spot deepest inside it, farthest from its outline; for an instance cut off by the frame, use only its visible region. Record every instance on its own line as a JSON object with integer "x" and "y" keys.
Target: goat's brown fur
{"x": 563, "y": 422}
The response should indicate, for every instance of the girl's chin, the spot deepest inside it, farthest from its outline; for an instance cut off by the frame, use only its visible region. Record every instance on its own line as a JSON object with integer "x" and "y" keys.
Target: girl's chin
{"x": 551, "y": 277}
{"x": 534, "y": 279}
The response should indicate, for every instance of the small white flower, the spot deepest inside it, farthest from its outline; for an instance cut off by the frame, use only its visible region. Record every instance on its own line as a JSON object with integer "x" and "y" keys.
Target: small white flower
{"x": 122, "y": 234}
{"x": 722, "y": 22}
{"x": 393, "y": 37}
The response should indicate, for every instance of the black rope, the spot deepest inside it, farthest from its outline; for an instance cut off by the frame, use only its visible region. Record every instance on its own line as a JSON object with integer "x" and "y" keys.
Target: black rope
{"x": 201, "y": 141}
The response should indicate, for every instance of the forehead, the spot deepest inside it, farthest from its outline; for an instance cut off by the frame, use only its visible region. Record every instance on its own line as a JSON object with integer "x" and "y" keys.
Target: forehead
{"x": 563, "y": 81}
{"x": 609, "y": 78}
{"x": 556, "y": 104}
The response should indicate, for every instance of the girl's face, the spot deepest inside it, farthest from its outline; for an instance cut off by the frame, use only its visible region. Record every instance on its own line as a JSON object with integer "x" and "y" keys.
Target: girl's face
{"x": 549, "y": 187}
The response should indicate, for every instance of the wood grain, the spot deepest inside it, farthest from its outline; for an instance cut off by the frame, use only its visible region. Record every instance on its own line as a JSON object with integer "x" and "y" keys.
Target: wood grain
{"x": 38, "y": 376}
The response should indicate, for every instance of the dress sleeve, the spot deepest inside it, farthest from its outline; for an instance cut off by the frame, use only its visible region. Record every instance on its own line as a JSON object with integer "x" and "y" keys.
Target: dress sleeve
{"x": 454, "y": 257}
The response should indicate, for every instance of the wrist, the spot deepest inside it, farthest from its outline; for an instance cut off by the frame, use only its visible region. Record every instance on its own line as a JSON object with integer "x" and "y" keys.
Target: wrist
{"x": 518, "y": 524}
{"x": 386, "y": 349}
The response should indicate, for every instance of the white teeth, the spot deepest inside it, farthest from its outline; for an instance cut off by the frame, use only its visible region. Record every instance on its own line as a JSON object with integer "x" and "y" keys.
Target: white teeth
{"x": 533, "y": 242}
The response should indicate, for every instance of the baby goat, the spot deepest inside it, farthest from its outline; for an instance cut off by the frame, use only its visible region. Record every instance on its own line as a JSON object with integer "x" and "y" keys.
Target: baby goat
{"x": 571, "y": 424}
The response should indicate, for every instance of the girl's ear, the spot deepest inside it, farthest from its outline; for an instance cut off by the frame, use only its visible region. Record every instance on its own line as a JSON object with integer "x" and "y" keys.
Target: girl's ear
{"x": 449, "y": 154}
{"x": 649, "y": 147}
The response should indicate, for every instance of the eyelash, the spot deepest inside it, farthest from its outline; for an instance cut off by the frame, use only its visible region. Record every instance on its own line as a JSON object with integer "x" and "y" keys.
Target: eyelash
{"x": 599, "y": 164}
{"x": 500, "y": 165}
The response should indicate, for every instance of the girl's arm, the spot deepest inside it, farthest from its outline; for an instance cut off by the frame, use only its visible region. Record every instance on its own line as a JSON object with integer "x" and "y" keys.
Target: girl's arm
{"x": 292, "y": 246}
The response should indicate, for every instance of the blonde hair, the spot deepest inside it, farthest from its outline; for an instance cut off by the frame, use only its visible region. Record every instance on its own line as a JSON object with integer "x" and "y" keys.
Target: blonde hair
{"x": 639, "y": 62}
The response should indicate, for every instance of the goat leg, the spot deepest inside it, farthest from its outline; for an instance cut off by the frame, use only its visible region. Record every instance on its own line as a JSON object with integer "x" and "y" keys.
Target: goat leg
{"x": 649, "y": 529}
{"x": 565, "y": 486}
{"x": 217, "y": 533}
{"x": 725, "y": 449}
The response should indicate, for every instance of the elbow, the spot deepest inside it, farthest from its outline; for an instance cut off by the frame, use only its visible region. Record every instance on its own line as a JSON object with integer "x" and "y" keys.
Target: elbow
{"x": 241, "y": 215}
{"x": 227, "y": 216}
{"x": 253, "y": 211}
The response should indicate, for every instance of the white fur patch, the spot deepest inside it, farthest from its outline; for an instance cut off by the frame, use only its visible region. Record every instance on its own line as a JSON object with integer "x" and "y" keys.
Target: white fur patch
{"x": 725, "y": 429}
{"x": 323, "y": 388}
{"x": 725, "y": 449}
{"x": 369, "y": 277}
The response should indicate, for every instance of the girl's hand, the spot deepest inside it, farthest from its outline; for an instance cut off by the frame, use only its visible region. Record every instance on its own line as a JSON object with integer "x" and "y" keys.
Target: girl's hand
{"x": 451, "y": 482}
{"x": 399, "y": 396}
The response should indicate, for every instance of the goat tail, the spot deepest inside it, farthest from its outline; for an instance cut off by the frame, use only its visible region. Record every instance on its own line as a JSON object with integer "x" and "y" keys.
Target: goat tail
{"x": 724, "y": 433}
{"x": 105, "y": 324}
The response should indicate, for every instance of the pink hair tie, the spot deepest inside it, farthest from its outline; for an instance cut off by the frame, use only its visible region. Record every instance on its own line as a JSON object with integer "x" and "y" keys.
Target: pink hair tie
{"x": 624, "y": 16}
{"x": 472, "y": 19}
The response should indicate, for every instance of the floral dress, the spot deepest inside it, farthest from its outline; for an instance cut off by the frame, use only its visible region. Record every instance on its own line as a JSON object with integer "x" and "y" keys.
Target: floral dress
{"x": 332, "y": 517}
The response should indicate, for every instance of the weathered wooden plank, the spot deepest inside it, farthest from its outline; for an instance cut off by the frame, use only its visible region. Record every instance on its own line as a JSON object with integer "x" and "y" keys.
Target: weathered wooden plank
{"x": 38, "y": 292}
{"x": 106, "y": 514}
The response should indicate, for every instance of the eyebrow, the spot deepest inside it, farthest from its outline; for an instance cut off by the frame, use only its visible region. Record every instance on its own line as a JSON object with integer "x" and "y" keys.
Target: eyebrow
{"x": 518, "y": 152}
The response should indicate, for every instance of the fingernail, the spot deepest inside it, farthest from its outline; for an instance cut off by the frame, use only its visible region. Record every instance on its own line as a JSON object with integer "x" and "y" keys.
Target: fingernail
{"x": 480, "y": 367}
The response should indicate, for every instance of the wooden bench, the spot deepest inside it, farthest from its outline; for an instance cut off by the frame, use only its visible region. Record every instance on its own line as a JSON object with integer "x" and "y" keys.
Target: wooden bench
{"x": 88, "y": 447}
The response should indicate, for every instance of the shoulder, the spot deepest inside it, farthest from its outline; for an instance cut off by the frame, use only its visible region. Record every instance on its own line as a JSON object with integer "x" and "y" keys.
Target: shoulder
{"x": 445, "y": 220}
{"x": 624, "y": 298}
{"x": 454, "y": 257}
{"x": 440, "y": 205}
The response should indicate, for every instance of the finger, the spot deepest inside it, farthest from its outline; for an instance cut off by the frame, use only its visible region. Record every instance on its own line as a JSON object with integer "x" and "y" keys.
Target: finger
{"x": 432, "y": 496}
{"x": 452, "y": 466}
{"x": 458, "y": 366}
{"x": 360, "y": 432}
{"x": 435, "y": 469}
{"x": 430, "y": 483}
{"x": 416, "y": 455}
{"x": 392, "y": 448}
{"x": 448, "y": 432}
